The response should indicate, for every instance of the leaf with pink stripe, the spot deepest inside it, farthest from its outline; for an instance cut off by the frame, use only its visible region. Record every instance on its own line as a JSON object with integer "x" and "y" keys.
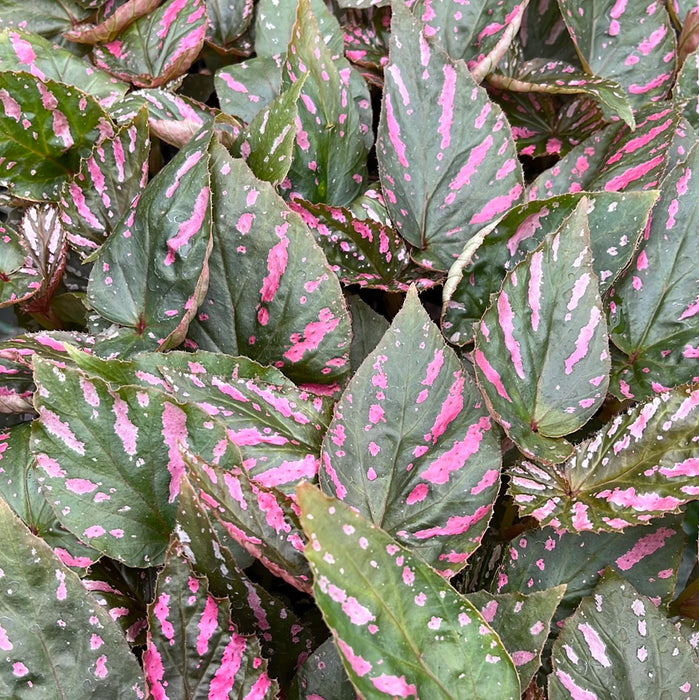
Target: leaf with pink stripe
{"x": 194, "y": 649}
{"x": 541, "y": 350}
{"x": 401, "y": 629}
{"x": 411, "y": 445}
{"x": 641, "y": 465}
{"x": 116, "y": 20}
{"x": 447, "y": 160}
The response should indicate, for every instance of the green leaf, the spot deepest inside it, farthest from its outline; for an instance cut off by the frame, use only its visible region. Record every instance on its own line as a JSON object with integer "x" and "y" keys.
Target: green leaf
{"x": 633, "y": 45}
{"x": 446, "y": 157}
{"x": 540, "y": 352}
{"x": 619, "y": 645}
{"x": 193, "y": 649}
{"x": 686, "y": 92}
{"x": 227, "y": 21}
{"x": 654, "y": 308}
{"x": 110, "y": 27}
{"x": 644, "y": 463}
{"x": 152, "y": 273}
{"x": 410, "y": 446}
{"x": 56, "y": 640}
{"x": 384, "y": 616}
{"x": 158, "y": 47}
{"x": 322, "y": 675}
{"x": 45, "y": 128}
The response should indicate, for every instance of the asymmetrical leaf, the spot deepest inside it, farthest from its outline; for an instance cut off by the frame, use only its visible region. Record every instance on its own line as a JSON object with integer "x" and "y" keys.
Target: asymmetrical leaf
{"x": 633, "y": 45}
{"x": 400, "y": 628}
{"x": 540, "y": 353}
{"x": 157, "y": 47}
{"x": 56, "y": 640}
{"x": 193, "y": 649}
{"x": 616, "y": 222}
{"x": 654, "y": 308}
{"x": 618, "y": 644}
{"x": 446, "y": 156}
{"x": 641, "y": 465}
{"x": 110, "y": 27}
{"x": 410, "y": 446}
{"x": 45, "y": 128}
{"x": 227, "y": 21}
{"x": 152, "y": 273}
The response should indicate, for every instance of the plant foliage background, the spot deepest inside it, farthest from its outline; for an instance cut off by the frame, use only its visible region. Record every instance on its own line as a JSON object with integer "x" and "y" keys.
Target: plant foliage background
{"x": 350, "y": 349}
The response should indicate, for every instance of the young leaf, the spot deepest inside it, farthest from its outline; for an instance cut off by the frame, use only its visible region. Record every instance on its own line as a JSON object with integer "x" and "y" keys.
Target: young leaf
{"x": 641, "y": 465}
{"x": 69, "y": 123}
{"x": 447, "y": 160}
{"x": 401, "y": 629}
{"x": 152, "y": 273}
{"x": 540, "y": 353}
{"x": 157, "y": 47}
{"x": 654, "y": 308}
{"x": 410, "y": 446}
{"x": 56, "y": 640}
{"x": 193, "y": 649}
{"x": 618, "y": 645}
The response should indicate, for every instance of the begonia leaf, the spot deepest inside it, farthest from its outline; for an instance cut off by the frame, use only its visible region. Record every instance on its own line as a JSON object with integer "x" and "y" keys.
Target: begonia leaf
{"x": 48, "y": 18}
{"x": 227, "y": 21}
{"x": 323, "y": 676}
{"x": 110, "y": 27}
{"x": 19, "y": 276}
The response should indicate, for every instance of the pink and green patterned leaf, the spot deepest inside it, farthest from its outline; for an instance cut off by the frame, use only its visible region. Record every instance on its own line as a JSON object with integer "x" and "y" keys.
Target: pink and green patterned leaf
{"x": 523, "y": 623}
{"x": 401, "y": 629}
{"x": 648, "y": 557}
{"x": 23, "y": 51}
{"x": 412, "y": 448}
{"x": 115, "y": 486}
{"x": 322, "y": 676}
{"x": 615, "y": 158}
{"x": 540, "y": 353}
{"x": 272, "y": 296}
{"x": 680, "y": 8}
{"x": 543, "y": 33}
{"x": 277, "y": 427}
{"x": 631, "y": 43}
{"x": 261, "y": 520}
{"x": 641, "y": 465}
{"x": 111, "y": 26}
{"x": 19, "y": 276}
{"x": 616, "y": 222}
{"x": 618, "y": 640}
{"x": 654, "y": 308}
{"x": 368, "y": 327}
{"x": 157, "y": 47}
{"x": 69, "y": 121}
{"x": 193, "y": 649}
{"x": 367, "y": 44}
{"x": 329, "y": 164}
{"x": 227, "y": 21}
{"x": 57, "y": 641}
{"x": 152, "y": 273}
{"x": 686, "y": 89}
{"x": 48, "y": 18}
{"x": 362, "y": 4}
{"x": 107, "y": 187}
{"x": 360, "y": 250}
{"x": 447, "y": 161}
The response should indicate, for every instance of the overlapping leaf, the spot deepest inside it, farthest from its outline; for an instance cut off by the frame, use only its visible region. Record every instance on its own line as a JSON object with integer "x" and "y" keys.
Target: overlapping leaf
{"x": 45, "y": 128}
{"x": 616, "y": 222}
{"x": 446, "y": 156}
{"x": 654, "y": 308}
{"x": 400, "y": 628}
{"x": 618, "y": 642}
{"x": 540, "y": 351}
{"x": 686, "y": 92}
{"x": 193, "y": 648}
{"x": 56, "y": 640}
{"x": 19, "y": 277}
{"x": 543, "y": 33}
{"x": 110, "y": 26}
{"x": 411, "y": 447}
{"x": 643, "y": 464}
{"x": 151, "y": 275}
{"x": 227, "y": 21}
{"x": 48, "y": 18}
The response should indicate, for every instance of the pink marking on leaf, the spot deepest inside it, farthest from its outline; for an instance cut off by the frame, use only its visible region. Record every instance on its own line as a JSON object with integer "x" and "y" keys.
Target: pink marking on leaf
{"x": 274, "y": 515}
{"x": 644, "y": 547}
{"x": 376, "y": 413}
{"x": 60, "y": 429}
{"x": 277, "y": 260}
{"x": 580, "y": 520}
{"x": 174, "y": 432}
{"x": 126, "y": 431}
{"x": 61, "y": 128}
{"x": 582, "y": 342}
{"x": 188, "y": 228}
{"x": 647, "y": 45}
{"x": 61, "y": 591}
{"x": 313, "y": 335}
{"x": 446, "y": 102}
{"x": 623, "y": 180}
{"x": 455, "y": 525}
{"x": 491, "y": 477}
{"x": 19, "y": 669}
{"x": 10, "y": 105}
{"x": 358, "y": 664}
{"x": 94, "y": 531}
{"x": 222, "y": 683}
{"x": 576, "y": 692}
{"x": 451, "y": 407}
{"x": 534, "y": 290}
{"x": 497, "y": 205}
{"x": 491, "y": 374}
{"x": 506, "y": 317}
{"x": 398, "y": 80}
{"x": 579, "y": 288}
{"x": 161, "y": 610}
{"x": 394, "y": 686}
{"x": 597, "y": 647}
{"x": 5, "y": 643}
{"x": 69, "y": 560}
{"x": 520, "y": 658}
{"x": 690, "y": 467}
{"x": 433, "y": 368}
{"x": 80, "y": 486}
{"x": 101, "y": 667}
{"x": 50, "y": 466}
{"x": 469, "y": 169}
{"x": 394, "y": 131}
{"x": 643, "y": 502}
{"x": 207, "y": 625}
{"x": 636, "y": 89}
{"x": 691, "y": 310}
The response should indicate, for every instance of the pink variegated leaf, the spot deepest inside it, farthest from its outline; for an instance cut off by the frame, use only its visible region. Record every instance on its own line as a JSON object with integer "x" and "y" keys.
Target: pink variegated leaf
{"x": 106, "y": 189}
{"x": 152, "y": 272}
{"x": 447, "y": 161}
{"x": 112, "y": 473}
{"x": 641, "y": 465}
{"x": 322, "y": 670}
{"x": 541, "y": 350}
{"x": 685, "y": 92}
{"x": 227, "y": 21}
{"x": 401, "y": 629}
{"x": 57, "y": 641}
{"x": 194, "y": 649}
{"x": 680, "y": 8}
{"x": 20, "y": 277}
{"x": 157, "y": 47}
{"x": 47, "y": 18}
{"x": 654, "y": 307}
{"x": 411, "y": 446}
{"x": 632, "y": 44}
{"x": 367, "y": 44}
{"x": 111, "y": 26}
{"x": 589, "y": 657}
